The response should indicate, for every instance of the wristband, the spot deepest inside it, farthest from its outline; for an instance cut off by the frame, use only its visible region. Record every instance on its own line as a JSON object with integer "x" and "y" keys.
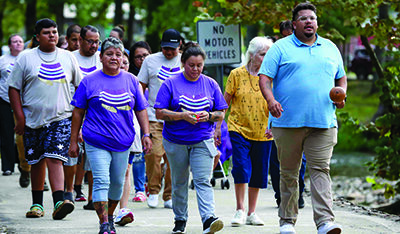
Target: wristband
{"x": 148, "y": 135}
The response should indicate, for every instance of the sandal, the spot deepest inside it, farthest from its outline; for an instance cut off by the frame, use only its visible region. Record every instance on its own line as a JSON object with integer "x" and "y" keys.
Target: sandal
{"x": 62, "y": 209}
{"x": 36, "y": 211}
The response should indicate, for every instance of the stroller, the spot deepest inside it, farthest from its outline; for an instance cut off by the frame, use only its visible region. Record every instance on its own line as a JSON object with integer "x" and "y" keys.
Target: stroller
{"x": 222, "y": 168}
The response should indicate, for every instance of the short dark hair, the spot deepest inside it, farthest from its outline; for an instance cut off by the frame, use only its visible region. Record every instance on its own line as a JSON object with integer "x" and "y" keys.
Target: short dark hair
{"x": 302, "y": 6}
{"x": 139, "y": 44}
{"x": 13, "y": 35}
{"x": 87, "y": 28}
{"x": 120, "y": 30}
{"x": 192, "y": 49}
{"x": 44, "y": 23}
{"x": 287, "y": 24}
{"x": 73, "y": 28}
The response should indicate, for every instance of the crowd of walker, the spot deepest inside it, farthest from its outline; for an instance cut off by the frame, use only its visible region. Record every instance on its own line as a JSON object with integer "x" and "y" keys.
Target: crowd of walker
{"x": 80, "y": 106}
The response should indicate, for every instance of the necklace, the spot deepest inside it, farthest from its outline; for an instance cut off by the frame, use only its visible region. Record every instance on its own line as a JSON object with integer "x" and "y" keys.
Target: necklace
{"x": 47, "y": 61}
{"x": 256, "y": 89}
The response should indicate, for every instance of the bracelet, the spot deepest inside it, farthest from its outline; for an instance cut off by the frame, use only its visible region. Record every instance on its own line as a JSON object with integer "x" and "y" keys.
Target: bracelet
{"x": 209, "y": 116}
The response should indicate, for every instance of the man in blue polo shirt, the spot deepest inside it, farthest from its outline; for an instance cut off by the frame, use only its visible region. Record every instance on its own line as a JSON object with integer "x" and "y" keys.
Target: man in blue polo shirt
{"x": 303, "y": 68}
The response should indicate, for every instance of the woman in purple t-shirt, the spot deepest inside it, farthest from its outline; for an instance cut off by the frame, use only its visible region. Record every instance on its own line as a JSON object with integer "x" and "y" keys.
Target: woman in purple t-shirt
{"x": 190, "y": 103}
{"x": 107, "y": 99}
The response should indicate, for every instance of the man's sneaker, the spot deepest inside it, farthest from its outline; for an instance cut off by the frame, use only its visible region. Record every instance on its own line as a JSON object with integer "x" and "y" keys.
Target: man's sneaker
{"x": 139, "y": 197}
{"x": 238, "y": 219}
{"x": 111, "y": 222}
{"x": 62, "y": 209}
{"x": 287, "y": 228}
{"x": 24, "y": 179}
{"x": 89, "y": 206}
{"x": 124, "y": 217}
{"x": 45, "y": 187}
{"x": 329, "y": 228}
{"x": 212, "y": 225}
{"x": 180, "y": 226}
{"x": 80, "y": 197}
{"x": 301, "y": 202}
{"x": 152, "y": 201}
{"x": 253, "y": 219}
{"x": 105, "y": 228}
{"x": 168, "y": 204}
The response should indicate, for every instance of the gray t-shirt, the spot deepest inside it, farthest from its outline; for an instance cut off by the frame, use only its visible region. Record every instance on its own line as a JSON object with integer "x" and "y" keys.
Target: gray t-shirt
{"x": 155, "y": 69}
{"x": 6, "y": 65}
{"x": 87, "y": 65}
{"x": 44, "y": 81}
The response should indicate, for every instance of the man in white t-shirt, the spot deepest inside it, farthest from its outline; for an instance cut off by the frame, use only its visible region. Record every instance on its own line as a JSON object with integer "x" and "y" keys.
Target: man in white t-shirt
{"x": 40, "y": 97}
{"x": 8, "y": 150}
{"x": 88, "y": 58}
{"x": 155, "y": 69}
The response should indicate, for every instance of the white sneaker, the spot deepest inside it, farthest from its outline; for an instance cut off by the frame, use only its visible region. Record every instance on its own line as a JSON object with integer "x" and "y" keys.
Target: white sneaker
{"x": 168, "y": 204}
{"x": 253, "y": 219}
{"x": 124, "y": 217}
{"x": 329, "y": 228}
{"x": 287, "y": 228}
{"x": 152, "y": 201}
{"x": 238, "y": 219}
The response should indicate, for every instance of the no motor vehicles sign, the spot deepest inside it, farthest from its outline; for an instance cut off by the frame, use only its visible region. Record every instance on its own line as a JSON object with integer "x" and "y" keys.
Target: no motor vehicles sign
{"x": 220, "y": 42}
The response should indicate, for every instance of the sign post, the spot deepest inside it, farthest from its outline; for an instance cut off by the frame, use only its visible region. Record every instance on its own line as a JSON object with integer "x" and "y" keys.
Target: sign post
{"x": 221, "y": 43}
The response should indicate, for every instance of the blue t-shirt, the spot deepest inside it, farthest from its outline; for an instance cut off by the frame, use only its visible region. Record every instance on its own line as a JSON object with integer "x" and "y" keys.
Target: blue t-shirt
{"x": 302, "y": 76}
{"x": 110, "y": 102}
{"x": 179, "y": 94}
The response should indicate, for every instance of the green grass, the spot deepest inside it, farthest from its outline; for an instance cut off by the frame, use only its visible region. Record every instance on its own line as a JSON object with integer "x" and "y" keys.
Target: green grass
{"x": 360, "y": 103}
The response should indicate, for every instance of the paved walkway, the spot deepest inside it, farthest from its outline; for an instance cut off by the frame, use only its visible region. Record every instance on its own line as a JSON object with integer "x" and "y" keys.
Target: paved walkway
{"x": 15, "y": 201}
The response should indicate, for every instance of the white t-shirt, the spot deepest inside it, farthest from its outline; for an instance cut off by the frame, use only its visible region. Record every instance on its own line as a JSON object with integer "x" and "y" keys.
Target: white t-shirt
{"x": 6, "y": 65}
{"x": 44, "y": 81}
{"x": 155, "y": 69}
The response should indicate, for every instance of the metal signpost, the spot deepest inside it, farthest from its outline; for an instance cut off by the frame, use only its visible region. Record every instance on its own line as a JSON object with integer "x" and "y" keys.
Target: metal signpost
{"x": 222, "y": 45}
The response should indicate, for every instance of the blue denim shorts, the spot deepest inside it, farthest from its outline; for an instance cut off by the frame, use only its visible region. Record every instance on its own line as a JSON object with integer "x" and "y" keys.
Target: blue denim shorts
{"x": 250, "y": 160}
{"x": 49, "y": 141}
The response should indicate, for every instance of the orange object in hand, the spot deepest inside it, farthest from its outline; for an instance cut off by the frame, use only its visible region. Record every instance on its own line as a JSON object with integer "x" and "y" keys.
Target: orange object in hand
{"x": 337, "y": 94}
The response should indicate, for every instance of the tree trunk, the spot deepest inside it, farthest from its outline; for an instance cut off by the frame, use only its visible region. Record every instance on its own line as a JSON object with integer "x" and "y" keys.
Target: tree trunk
{"x": 3, "y": 4}
{"x": 131, "y": 25}
{"x": 30, "y": 18}
{"x": 118, "y": 12}
{"x": 153, "y": 38}
{"x": 58, "y": 8}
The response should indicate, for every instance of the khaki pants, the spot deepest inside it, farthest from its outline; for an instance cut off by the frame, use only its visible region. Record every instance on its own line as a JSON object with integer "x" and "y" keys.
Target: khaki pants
{"x": 153, "y": 164}
{"x": 19, "y": 140}
{"x": 317, "y": 145}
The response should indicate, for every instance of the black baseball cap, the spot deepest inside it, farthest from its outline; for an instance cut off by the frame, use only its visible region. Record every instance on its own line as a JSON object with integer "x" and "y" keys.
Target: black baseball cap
{"x": 170, "y": 38}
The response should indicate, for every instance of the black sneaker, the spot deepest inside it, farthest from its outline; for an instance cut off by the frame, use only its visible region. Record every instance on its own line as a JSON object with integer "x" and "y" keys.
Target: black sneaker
{"x": 212, "y": 225}
{"x": 179, "y": 226}
{"x": 301, "y": 202}
{"x": 111, "y": 222}
{"x": 89, "y": 206}
{"x": 104, "y": 228}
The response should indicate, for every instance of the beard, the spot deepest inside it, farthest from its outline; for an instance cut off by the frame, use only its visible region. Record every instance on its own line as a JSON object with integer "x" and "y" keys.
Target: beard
{"x": 309, "y": 35}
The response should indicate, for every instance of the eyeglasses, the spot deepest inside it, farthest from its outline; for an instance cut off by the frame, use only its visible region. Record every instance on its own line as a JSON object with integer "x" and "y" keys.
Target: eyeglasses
{"x": 139, "y": 57}
{"x": 91, "y": 42}
{"x": 305, "y": 18}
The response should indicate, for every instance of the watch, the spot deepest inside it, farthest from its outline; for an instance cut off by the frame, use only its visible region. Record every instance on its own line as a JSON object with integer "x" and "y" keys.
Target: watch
{"x": 209, "y": 116}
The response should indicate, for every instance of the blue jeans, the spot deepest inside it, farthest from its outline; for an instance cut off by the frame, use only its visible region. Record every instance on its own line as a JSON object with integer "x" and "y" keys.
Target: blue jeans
{"x": 138, "y": 171}
{"x": 108, "y": 168}
{"x": 275, "y": 172}
{"x": 200, "y": 159}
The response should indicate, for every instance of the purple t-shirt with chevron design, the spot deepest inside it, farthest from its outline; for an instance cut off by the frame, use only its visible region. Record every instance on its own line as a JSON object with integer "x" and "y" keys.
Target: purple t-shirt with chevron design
{"x": 179, "y": 94}
{"x": 110, "y": 102}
